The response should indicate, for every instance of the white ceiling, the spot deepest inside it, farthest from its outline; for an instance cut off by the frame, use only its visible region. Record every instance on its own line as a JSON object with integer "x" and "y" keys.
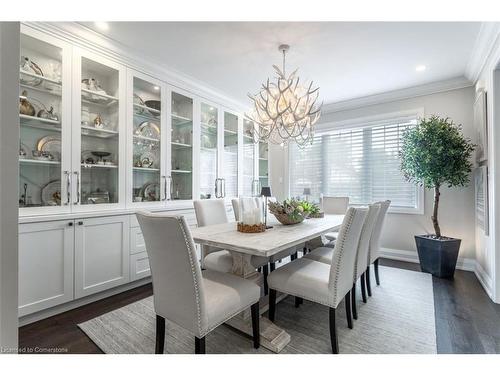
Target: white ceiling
{"x": 346, "y": 59}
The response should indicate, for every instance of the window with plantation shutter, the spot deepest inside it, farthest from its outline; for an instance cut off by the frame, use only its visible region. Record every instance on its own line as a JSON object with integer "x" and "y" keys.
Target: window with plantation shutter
{"x": 360, "y": 161}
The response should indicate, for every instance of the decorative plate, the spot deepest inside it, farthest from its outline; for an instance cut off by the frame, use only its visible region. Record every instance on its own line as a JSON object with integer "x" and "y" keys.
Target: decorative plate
{"x": 155, "y": 105}
{"x": 50, "y": 144}
{"x": 51, "y": 193}
{"x": 151, "y": 191}
{"x": 148, "y": 129}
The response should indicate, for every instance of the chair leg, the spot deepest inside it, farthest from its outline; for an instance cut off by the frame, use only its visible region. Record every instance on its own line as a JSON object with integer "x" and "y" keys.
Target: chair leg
{"x": 199, "y": 345}
{"x": 160, "y": 335}
{"x": 272, "y": 266}
{"x": 265, "y": 272}
{"x": 333, "y": 332}
{"x": 293, "y": 256}
{"x": 304, "y": 250}
{"x": 272, "y": 304}
{"x": 363, "y": 288}
{"x": 259, "y": 270}
{"x": 375, "y": 264}
{"x": 255, "y": 325}
{"x": 298, "y": 301}
{"x": 354, "y": 302}
{"x": 348, "y": 314}
{"x": 368, "y": 282}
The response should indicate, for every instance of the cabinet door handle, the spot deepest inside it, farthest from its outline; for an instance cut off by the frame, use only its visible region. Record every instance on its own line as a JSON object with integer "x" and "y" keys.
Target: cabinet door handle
{"x": 217, "y": 188}
{"x": 167, "y": 188}
{"x": 164, "y": 188}
{"x": 77, "y": 187}
{"x": 68, "y": 187}
{"x": 80, "y": 223}
{"x": 70, "y": 224}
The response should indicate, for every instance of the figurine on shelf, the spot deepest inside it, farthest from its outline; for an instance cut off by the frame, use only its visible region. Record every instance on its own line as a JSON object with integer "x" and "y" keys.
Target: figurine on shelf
{"x": 25, "y": 107}
{"x": 98, "y": 123}
{"x": 48, "y": 114}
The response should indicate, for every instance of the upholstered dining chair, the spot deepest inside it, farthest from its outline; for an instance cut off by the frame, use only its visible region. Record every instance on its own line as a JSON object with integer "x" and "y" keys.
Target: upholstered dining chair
{"x": 333, "y": 206}
{"x": 327, "y": 284}
{"x": 198, "y": 301}
{"x": 330, "y": 206}
{"x": 291, "y": 252}
{"x": 374, "y": 248}
{"x": 325, "y": 255}
{"x": 210, "y": 212}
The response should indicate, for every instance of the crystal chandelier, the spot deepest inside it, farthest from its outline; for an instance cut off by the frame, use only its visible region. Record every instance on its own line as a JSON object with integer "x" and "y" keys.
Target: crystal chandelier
{"x": 285, "y": 111}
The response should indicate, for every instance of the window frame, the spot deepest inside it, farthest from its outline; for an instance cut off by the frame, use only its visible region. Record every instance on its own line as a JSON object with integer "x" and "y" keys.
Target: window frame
{"x": 367, "y": 122}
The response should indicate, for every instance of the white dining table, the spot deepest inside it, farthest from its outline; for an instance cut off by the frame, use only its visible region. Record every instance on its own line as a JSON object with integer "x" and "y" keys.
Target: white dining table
{"x": 244, "y": 245}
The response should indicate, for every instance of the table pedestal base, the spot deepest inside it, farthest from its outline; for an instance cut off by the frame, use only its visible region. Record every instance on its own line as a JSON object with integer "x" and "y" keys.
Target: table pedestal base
{"x": 272, "y": 337}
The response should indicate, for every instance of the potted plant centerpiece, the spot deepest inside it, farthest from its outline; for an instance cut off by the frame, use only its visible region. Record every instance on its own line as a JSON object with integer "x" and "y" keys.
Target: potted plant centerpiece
{"x": 436, "y": 154}
{"x": 291, "y": 211}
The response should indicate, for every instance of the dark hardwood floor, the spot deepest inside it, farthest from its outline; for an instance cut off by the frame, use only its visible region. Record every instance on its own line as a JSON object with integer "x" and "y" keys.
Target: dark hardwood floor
{"x": 466, "y": 319}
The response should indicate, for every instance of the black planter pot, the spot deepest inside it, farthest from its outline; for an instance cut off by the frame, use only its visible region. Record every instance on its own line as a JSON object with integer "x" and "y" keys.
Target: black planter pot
{"x": 438, "y": 256}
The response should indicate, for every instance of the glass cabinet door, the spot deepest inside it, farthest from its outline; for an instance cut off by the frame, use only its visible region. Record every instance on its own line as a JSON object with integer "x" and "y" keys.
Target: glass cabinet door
{"x": 44, "y": 163}
{"x": 248, "y": 181}
{"x": 182, "y": 147}
{"x": 98, "y": 180}
{"x": 208, "y": 150}
{"x": 147, "y": 161}
{"x": 230, "y": 156}
{"x": 264, "y": 164}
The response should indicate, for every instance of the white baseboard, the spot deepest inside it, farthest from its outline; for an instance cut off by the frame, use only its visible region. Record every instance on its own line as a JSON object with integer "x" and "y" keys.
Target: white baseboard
{"x": 31, "y": 318}
{"x": 464, "y": 264}
{"x": 485, "y": 280}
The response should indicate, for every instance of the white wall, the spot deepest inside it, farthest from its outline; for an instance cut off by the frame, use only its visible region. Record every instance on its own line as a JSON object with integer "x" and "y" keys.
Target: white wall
{"x": 487, "y": 249}
{"x": 9, "y": 135}
{"x": 456, "y": 206}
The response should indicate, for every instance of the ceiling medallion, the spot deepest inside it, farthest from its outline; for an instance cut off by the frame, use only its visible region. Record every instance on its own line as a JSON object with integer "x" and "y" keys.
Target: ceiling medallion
{"x": 285, "y": 111}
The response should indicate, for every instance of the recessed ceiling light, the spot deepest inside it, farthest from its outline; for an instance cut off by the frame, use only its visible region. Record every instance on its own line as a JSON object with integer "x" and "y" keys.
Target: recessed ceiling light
{"x": 420, "y": 68}
{"x": 212, "y": 108}
{"x": 156, "y": 88}
{"x": 104, "y": 26}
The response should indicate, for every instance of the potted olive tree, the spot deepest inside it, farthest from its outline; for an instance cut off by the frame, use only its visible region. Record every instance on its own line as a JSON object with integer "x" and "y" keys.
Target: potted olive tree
{"x": 435, "y": 154}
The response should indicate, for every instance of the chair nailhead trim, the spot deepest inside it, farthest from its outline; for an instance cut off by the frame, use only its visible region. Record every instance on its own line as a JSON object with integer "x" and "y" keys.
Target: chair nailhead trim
{"x": 340, "y": 249}
{"x": 193, "y": 271}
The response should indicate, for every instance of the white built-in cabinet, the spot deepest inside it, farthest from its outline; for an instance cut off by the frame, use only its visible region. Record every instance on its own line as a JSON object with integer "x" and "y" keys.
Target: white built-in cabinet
{"x": 102, "y": 254}
{"x": 102, "y": 139}
{"x": 46, "y": 254}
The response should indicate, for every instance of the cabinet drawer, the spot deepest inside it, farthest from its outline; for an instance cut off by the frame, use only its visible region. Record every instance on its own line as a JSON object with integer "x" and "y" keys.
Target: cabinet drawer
{"x": 139, "y": 266}
{"x": 137, "y": 244}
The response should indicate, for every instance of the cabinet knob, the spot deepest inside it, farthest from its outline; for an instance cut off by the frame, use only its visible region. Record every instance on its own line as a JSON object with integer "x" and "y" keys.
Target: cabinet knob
{"x": 80, "y": 223}
{"x": 70, "y": 224}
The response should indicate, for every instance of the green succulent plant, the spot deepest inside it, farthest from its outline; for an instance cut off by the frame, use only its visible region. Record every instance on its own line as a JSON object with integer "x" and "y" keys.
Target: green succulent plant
{"x": 435, "y": 153}
{"x": 293, "y": 208}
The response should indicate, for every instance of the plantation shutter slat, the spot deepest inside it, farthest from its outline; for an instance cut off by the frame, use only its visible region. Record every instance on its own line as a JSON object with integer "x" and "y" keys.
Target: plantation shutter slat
{"x": 361, "y": 162}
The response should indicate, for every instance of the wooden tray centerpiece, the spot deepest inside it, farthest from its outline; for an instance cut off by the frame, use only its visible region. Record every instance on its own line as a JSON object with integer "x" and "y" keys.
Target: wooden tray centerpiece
{"x": 251, "y": 228}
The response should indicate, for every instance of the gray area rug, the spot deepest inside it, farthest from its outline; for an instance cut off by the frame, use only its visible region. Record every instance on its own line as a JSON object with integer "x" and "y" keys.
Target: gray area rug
{"x": 398, "y": 318}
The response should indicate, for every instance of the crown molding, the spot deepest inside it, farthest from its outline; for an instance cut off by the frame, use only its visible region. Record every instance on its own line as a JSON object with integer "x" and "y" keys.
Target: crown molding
{"x": 391, "y": 96}
{"x": 485, "y": 41}
{"x": 80, "y": 35}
